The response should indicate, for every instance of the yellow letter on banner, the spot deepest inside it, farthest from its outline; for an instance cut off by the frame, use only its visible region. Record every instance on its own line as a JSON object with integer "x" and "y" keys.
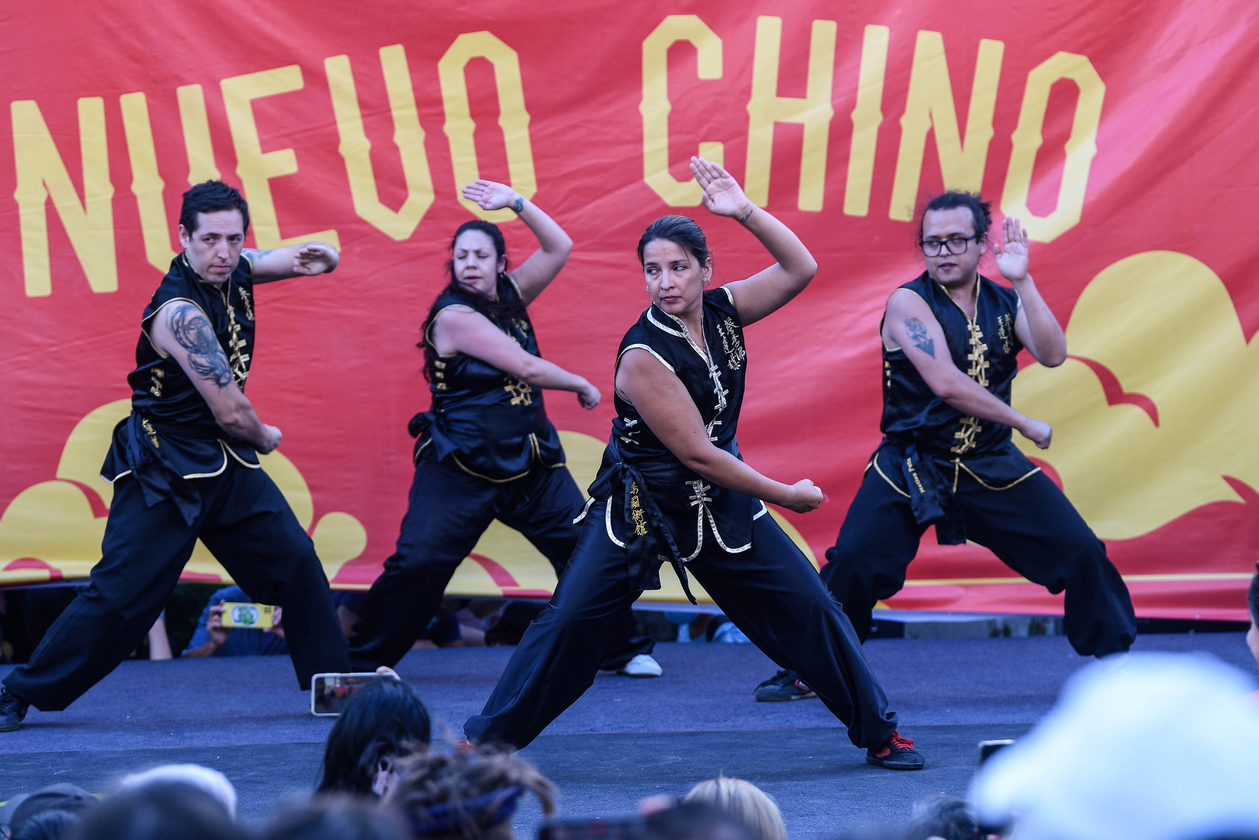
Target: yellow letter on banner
{"x": 867, "y": 116}
{"x": 929, "y": 106}
{"x": 655, "y": 106}
{"x": 766, "y": 107}
{"x": 1080, "y": 149}
{"x": 146, "y": 182}
{"x": 256, "y": 168}
{"x": 192, "y": 115}
{"x": 41, "y": 174}
{"x": 513, "y": 119}
{"x": 355, "y": 148}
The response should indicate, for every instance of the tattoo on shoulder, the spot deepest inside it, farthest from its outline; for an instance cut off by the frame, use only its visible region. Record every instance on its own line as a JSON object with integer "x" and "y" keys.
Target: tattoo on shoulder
{"x": 255, "y": 254}
{"x": 921, "y": 338}
{"x": 205, "y": 357}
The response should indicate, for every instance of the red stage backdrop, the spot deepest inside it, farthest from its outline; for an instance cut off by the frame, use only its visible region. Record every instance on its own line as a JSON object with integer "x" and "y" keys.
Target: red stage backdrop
{"x": 1126, "y": 136}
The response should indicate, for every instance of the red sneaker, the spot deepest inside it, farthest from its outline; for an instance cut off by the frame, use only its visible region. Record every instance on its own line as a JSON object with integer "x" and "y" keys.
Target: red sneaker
{"x": 897, "y": 753}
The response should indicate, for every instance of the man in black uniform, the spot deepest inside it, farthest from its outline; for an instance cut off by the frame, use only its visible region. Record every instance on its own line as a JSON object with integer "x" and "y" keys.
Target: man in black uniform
{"x": 951, "y": 339}
{"x": 184, "y": 466}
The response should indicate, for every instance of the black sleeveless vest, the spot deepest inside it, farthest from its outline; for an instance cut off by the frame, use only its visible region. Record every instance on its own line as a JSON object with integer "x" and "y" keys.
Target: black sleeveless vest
{"x": 171, "y": 434}
{"x": 986, "y": 349}
{"x": 657, "y": 508}
{"x": 928, "y": 444}
{"x": 488, "y": 423}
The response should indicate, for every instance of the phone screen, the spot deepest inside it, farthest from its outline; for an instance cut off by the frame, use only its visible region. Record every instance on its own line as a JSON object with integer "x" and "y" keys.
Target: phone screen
{"x": 330, "y": 693}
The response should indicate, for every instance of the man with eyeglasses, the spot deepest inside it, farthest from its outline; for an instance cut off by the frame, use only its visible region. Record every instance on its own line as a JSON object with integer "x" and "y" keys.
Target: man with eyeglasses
{"x": 951, "y": 340}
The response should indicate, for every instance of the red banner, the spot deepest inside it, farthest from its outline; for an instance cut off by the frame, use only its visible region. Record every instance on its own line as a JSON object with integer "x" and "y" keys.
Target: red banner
{"x": 1124, "y": 135}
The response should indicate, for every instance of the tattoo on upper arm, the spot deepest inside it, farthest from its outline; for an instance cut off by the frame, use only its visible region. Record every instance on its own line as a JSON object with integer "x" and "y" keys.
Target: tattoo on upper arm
{"x": 205, "y": 357}
{"x": 255, "y": 254}
{"x": 921, "y": 338}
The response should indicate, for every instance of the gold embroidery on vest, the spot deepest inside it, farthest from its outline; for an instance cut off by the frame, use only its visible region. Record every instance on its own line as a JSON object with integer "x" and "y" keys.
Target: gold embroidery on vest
{"x": 970, "y": 426}
{"x": 521, "y": 392}
{"x": 156, "y": 388}
{"x": 249, "y": 306}
{"x": 151, "y": 432}
{"x": 238, "y": 361}
{"x": 1005, "y": 331}
{"x": 636, "y": 511}
{"x": 735, "y": 354}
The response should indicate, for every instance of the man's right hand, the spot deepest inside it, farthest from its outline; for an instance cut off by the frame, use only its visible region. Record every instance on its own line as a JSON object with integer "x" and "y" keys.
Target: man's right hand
{"x": 803, "y": 496}
{"x": 271, "y": 437}
{"x": 1038, "y": 432}
{"x": 214, "y": 626}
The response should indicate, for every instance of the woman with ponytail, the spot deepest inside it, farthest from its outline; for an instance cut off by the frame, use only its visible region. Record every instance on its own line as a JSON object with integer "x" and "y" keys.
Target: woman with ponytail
{"x": 485, "y": 449}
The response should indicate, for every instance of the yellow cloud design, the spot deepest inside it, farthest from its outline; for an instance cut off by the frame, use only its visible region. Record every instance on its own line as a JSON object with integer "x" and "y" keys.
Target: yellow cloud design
{"x": 1158, "y": 402}
{"x": 54, "y": 525}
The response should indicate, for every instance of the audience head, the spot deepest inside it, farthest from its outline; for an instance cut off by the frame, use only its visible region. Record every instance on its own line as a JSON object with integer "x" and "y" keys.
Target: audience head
{"x": 49, "y": 825}
{"x": 696, "y": 821}
{"x": 1153, "y": 747}
{"x": 158, "y": 811}
{"x": 337, "y": 817}
{"x": 61, "y": 797}
{"x": 753, "y": 806}
{"x": 946, "y": 817}
{"x": 466, "y": 795}
{"x": 213, "y": 783}
{"x": 385, "y": 721}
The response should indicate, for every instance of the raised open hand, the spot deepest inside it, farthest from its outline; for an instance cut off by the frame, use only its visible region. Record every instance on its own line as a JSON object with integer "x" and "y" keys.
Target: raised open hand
{"x": 315, "y": 258}
{"x": 490, "y": 195}
{"x": 1011, "y": 252}
{"x": 722, "y": 193}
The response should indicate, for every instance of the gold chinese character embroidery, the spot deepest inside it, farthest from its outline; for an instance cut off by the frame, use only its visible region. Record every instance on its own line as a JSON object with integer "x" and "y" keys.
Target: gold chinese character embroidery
{"x": 735, "y": 354}
{"x": 636, "y": 511}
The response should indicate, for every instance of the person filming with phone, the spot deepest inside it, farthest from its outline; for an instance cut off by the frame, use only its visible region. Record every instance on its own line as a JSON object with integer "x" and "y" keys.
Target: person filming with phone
{"x": 214, "y": 637}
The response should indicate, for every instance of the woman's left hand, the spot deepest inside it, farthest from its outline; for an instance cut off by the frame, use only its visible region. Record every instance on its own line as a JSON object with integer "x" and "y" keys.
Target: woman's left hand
{"x": 491, "y": 195}
{"x": 722, "y": 193}
{"x": 588, "y": 396}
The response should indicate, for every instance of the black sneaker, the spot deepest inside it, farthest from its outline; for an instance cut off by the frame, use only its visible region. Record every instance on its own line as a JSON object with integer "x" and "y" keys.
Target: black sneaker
{"x": 897, "y": 753}
{"x": 12, "y": 711}
{"x": 785, "y": 685}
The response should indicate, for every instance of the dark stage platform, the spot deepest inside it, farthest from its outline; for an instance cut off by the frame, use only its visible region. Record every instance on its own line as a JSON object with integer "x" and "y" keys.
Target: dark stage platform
{"x": 625, "y": 739}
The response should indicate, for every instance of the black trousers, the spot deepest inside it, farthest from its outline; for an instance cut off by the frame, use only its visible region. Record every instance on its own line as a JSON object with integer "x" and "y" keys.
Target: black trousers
{"x": 1031, "y": 527}
{"x": 771, "y": 592}
{"x": 247, "y": 525}
{"x": 448, "y": 512}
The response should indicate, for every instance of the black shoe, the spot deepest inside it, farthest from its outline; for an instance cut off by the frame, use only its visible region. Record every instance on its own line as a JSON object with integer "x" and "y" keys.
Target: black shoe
{"x": 897, "y": 753}
{"x": 785, "y": 685}
{"x": 12, "y": 711}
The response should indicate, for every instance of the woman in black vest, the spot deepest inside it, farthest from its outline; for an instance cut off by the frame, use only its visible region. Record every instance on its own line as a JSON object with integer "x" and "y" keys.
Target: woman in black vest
{"x": 673, "y": 487}
{"x": 485, "y": 448}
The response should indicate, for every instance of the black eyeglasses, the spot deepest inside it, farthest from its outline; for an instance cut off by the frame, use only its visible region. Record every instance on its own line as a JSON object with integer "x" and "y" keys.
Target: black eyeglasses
{"x": 954, "y": 244}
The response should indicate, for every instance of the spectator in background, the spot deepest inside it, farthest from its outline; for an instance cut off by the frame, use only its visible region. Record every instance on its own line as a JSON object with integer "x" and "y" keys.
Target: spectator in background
{"x": 211, "y": 638}
{"x": 1164, "y": 748}
{"x": 945, "y": 817}
{"x": 695, "y": 821}
{"x": 159, "y": 811}
{"x": 383, "y": 723}
{"x": 50, "y": 825}
{"x": 466, "y": 795}
{"x": 753, "y": 806}
{"x": 337, "y": 818}
{"x": 24, "y": 807}
{"x": 210, "y": 782}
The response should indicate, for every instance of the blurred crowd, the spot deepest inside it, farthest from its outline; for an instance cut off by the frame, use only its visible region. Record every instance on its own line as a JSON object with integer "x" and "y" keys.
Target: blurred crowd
{"x": 1138, "y": 747}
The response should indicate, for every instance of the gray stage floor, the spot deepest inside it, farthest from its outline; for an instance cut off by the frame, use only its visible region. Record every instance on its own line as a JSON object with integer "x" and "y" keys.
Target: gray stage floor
{"x": 625, "y": 739}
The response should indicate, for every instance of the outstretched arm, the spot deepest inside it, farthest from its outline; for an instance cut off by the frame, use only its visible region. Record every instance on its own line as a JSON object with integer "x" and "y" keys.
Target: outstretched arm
{"x": 294, "y": 261}
{"x": 910, "y": 325}
{"x": 1035, "y": 324}
{"x": 459, "y": 330}
{"x": 666, "y": 407}
{"x": 537, "y": 272}
{"x": 766, "y": 291}
{"x": 182, "y": 331}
